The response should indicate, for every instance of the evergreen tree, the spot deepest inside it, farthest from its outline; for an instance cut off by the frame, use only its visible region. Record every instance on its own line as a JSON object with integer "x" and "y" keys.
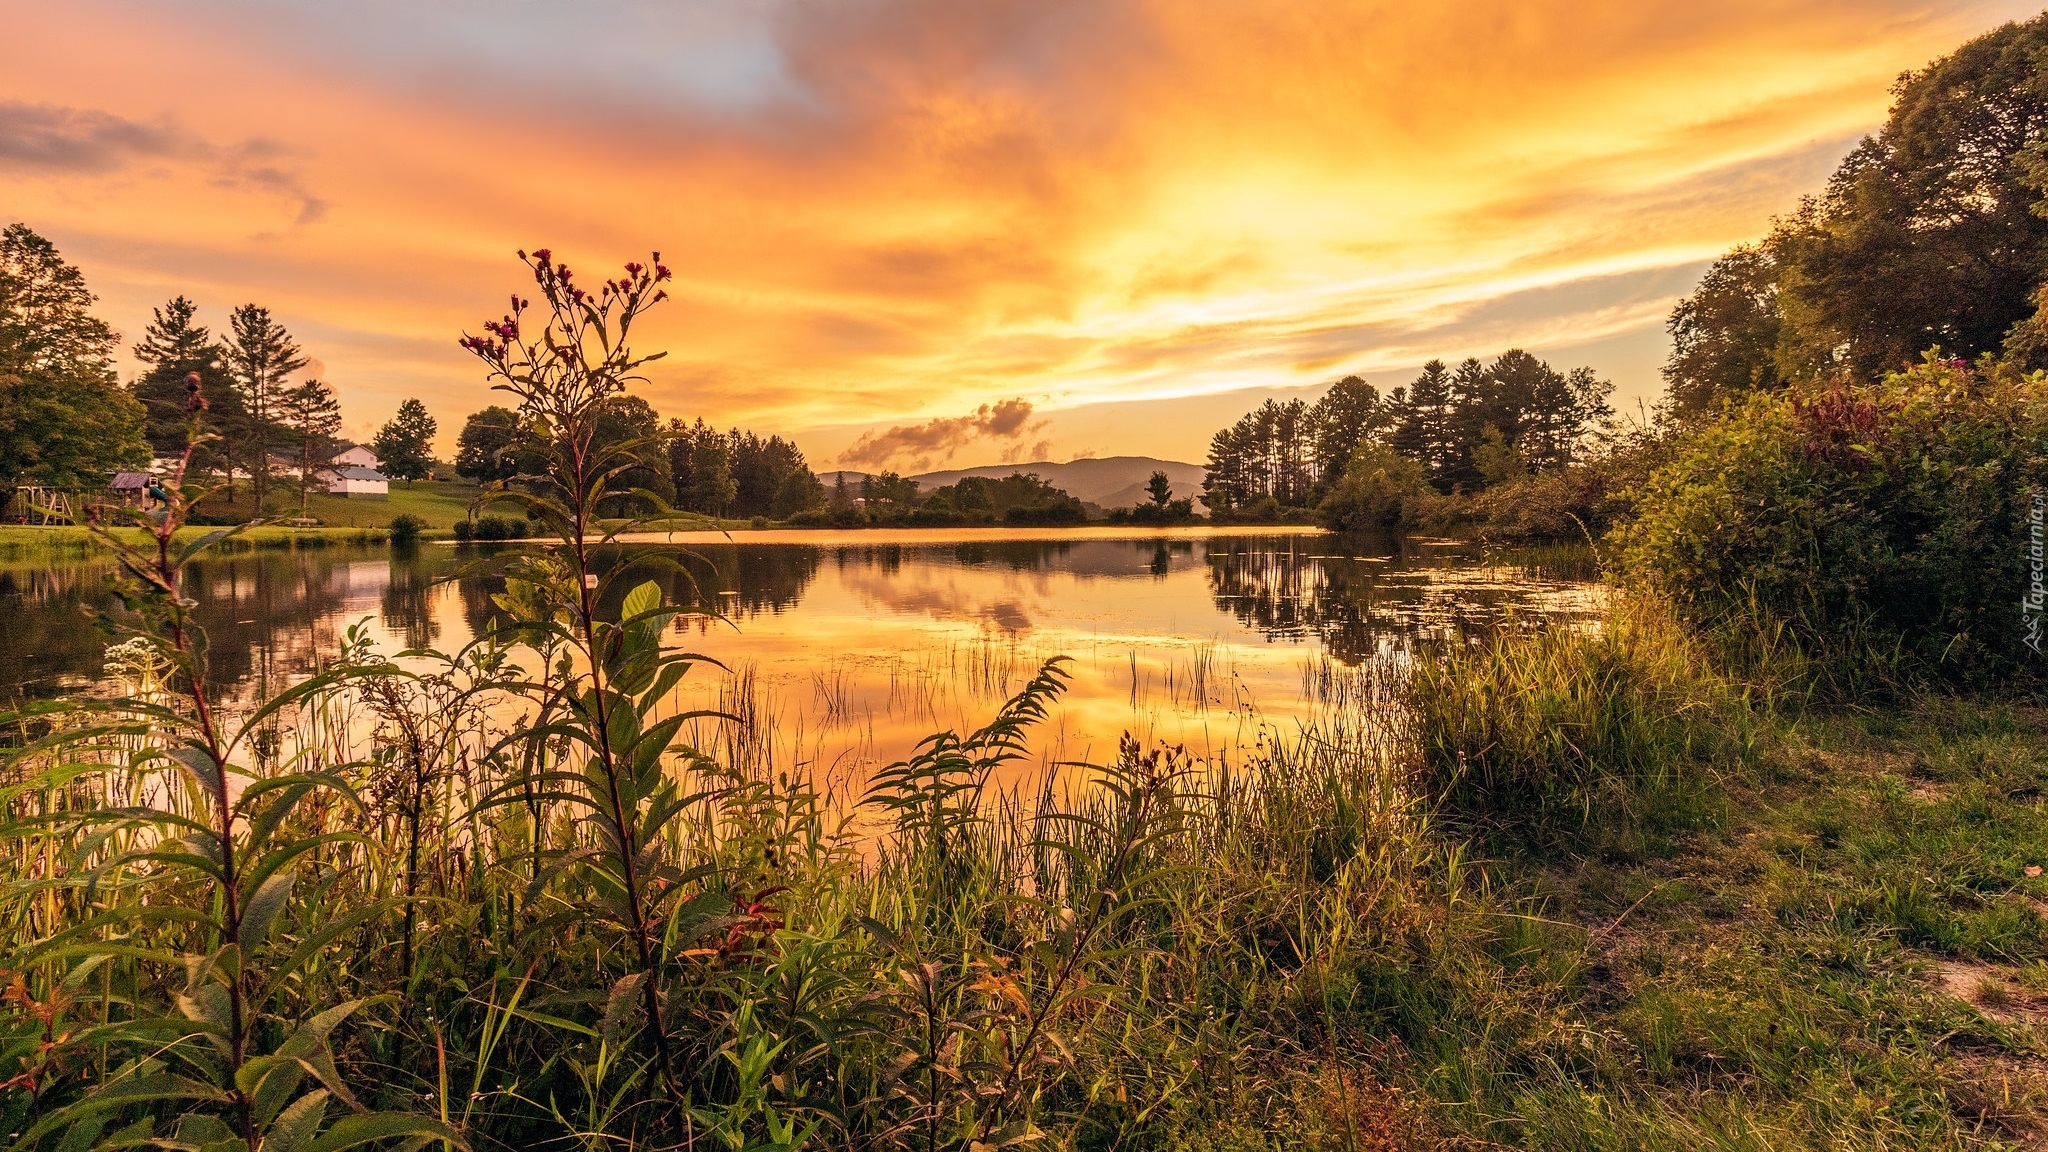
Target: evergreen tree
{"x": 174, "y": 346}
{"x": 262, "y": 356}
{"x": 405, "y": 445}
{"x": 1348, "y": 413}
{"x": 1160, "y": 489}
{"x": 313, "y": 417}
{"x": 64, "y": 421}
{"x": 1421, "y": 426}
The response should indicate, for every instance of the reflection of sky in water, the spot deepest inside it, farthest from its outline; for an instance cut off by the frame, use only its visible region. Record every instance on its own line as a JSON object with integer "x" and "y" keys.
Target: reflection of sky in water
{"x": 847, "y": 649}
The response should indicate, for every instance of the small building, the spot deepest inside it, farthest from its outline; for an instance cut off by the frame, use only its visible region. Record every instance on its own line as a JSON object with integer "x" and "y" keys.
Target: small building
{"x": 357, "y": 483}
{"x": 127, "y": 490}
{"x": 358, "y": 457}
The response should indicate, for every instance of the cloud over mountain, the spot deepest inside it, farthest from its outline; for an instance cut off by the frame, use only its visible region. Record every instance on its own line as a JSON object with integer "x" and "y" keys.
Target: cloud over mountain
{"x": 936, "y": 441}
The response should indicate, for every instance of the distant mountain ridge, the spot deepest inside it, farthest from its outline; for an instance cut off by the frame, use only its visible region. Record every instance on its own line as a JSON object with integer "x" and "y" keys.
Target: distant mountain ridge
{"x": 1108, "y": 481}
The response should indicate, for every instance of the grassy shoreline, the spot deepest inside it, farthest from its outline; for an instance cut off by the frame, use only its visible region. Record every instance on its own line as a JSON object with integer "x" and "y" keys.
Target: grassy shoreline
{"x": 32, "y": 542}
{"x": 1709, "y": 925}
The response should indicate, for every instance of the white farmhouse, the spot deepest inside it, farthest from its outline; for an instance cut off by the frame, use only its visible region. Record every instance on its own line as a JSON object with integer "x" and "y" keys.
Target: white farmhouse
{"x": 358, "y": 457}
{"x": 364, "y": 483}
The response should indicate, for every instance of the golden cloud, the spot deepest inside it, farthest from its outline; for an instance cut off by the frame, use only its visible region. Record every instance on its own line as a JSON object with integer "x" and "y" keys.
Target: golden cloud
{"x": 884, "y": 214}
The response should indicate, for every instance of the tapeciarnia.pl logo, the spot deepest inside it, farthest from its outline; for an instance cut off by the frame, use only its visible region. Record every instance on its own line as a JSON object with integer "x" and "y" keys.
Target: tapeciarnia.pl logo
{"x": 2035, "y": 601}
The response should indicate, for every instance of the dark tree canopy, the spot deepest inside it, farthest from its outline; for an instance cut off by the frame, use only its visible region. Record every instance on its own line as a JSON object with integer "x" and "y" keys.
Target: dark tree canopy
{"x": 174, "y": 345}
{"x": 1931, "y": 233}
{"x": 311, "y": 415}
{"x": 488, "y": 448}
{"x": 1459, "y": 426}
{"x": 737, "y": 473}
{"x": 262, "y": 356}
{"x": 1724, "y": 337}
{"x": 64, "y": 420}
{"x": 405, "y": 445}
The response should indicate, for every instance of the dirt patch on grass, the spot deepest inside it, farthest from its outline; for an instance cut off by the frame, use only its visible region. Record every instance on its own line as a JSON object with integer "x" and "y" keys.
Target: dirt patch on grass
{"x": 1992, "y": 990}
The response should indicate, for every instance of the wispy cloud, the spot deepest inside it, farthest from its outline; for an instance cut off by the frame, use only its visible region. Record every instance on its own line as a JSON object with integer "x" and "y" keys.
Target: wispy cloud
{"x": 84, "y": 142}
{"x": 881, "y": 209}
{"x": 937, "y": 441}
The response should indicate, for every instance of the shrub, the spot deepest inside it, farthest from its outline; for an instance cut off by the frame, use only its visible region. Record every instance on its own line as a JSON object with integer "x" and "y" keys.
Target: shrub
{"x": 406, "y": 528}
{"x": 492, "y": 528}
{"x": 465, "y": 530}
{"x": 1872, "y": 535}
{"x": 1381, "y": 489}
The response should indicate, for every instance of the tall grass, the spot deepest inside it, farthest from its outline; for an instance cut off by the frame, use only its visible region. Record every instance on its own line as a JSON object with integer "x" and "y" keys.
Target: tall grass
{"x": 1563, "y": 731}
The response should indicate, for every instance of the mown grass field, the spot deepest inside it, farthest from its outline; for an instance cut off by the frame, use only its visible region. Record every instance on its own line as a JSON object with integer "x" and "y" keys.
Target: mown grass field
{"x": 30, "y": 542}
{"x": 440, "y": 503}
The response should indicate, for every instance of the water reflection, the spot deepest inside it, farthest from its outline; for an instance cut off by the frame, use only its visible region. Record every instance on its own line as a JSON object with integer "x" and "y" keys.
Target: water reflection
{"x": 1360, "y": 596}
{"x": 846, "y": 649}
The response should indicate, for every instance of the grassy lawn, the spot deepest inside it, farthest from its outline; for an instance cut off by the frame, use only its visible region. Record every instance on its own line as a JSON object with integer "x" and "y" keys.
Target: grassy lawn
{"x": 30, "y": 542}
{"x": 1852, "y": 956}
{"x": 438, "y": 502}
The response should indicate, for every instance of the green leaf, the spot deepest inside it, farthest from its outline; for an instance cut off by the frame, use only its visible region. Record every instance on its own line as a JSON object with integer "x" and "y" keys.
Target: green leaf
{"x": 620, "y": 1003}
{"x": 296, "y": 1125}
{"x": 202, "y": 765}
{"x": 354, "y": 1131}
{"x": 644, "y": 599}
{"x": 262, "y": 910}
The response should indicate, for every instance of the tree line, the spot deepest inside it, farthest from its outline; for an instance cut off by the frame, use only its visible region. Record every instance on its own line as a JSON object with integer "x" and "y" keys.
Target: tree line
{"x": 689, "y": 466}
{"x": 1465, "y": 428}
{"x": 66, "y": 421}
{"x": 889, "y": 499}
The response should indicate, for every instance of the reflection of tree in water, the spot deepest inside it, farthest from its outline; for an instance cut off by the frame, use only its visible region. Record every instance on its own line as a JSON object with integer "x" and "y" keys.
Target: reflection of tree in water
{"x": 1016, "y": 555}
{"x": 735, "y": 581}
{"x": 407, "y": 605}
{"x": 268, "y": 614}
{"x": 49, "y": 643}
{"x": 1359, "y": 594}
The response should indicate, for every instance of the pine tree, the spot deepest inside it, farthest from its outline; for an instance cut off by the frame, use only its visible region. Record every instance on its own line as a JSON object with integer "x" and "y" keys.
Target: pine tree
{"x": 1346, "y": 415}
{"x": 313, "y": 417}
{"x": 262, "y": 355}
{"x": 174, "y": 346}
{"x": 1422, "y": 425}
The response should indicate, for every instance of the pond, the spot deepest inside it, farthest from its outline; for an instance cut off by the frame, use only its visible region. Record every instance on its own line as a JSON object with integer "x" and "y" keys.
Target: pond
{"x": 842, "y": 650}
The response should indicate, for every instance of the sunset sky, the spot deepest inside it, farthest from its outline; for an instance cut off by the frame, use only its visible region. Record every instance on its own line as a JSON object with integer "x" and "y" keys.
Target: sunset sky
{"x": 892, "y": 221}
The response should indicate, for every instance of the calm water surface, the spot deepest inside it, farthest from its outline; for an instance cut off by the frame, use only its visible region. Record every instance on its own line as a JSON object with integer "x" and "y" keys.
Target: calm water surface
{"x": 845, "y": 649}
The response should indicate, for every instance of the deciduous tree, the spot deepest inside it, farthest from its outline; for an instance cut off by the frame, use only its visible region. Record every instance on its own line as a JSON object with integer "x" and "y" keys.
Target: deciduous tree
{"x": 64, "y": 420}
{"x": 405, "y": 445}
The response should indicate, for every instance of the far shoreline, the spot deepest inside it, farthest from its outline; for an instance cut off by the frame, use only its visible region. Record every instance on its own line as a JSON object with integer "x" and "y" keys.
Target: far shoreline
{"x": 966, "y": 535}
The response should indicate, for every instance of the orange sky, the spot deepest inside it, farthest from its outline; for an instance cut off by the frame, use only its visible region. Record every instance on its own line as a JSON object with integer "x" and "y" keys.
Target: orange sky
{"x": 886, "y": 212}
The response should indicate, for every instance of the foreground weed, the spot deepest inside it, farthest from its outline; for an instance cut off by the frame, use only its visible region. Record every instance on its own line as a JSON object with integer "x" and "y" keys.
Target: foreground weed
{"x": 199, "y": 873}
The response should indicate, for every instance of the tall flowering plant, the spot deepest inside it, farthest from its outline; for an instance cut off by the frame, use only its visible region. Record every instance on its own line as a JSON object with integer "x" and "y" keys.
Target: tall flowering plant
{"x": 601, "y": 693}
